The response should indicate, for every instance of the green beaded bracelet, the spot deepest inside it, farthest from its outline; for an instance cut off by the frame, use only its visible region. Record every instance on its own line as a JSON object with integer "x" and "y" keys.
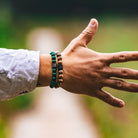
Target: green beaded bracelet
{"x": 54, "y": 70}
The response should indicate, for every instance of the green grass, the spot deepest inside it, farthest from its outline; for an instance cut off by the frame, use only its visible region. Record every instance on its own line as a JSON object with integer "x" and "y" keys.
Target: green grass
{"x": 114, "y": 35}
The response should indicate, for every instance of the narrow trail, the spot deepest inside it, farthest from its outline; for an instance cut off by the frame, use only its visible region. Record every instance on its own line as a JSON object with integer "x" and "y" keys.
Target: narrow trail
{"x": 56, "y": 113}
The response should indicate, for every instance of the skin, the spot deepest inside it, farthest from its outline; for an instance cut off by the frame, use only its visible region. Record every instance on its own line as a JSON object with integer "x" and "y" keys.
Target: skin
{"x": 87, "y": 72}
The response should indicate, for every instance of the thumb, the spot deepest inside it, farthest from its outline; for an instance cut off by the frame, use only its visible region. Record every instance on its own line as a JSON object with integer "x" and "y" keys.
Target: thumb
{"x": 88, "y": 33}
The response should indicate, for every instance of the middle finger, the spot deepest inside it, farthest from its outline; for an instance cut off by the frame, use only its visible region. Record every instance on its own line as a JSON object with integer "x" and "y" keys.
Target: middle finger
{"x": 122, "y": 73}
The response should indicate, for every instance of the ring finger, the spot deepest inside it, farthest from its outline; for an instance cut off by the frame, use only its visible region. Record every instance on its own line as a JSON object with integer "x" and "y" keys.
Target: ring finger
{"x": 122, "y": 73}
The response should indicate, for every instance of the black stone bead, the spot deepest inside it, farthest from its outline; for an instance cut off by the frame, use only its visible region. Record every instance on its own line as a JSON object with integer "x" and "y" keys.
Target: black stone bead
{"x": 54, "y": 65}
{"x": 60, "y": 67}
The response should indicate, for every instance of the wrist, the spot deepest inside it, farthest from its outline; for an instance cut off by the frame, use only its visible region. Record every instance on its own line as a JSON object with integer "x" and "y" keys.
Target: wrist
{"x": 45, "y": 70}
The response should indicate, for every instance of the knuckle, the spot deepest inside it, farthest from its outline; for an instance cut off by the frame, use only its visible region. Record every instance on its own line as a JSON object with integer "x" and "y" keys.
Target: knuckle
{"x": 134, "y": 56}
{"x": 124, "y": 72}
{"x": 119, "y": 83}
{"x": 87, "y": 32}
{"x": 106, "y": 96}
{"x": 122, "y": 56}
{"x": 99, "y": 67}
{"x": 102, "y": 60}
{"x": 105, "y": 71}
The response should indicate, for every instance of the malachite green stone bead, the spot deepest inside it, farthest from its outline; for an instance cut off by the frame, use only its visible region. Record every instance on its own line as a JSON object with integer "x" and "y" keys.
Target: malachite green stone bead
{"x": 53, "y": 61}
{"x": 52, "y": 53}
{"x": 53, "y": 74}
{"x": 54, "y": 70}
{"x": 53, "y": 82}
{"x": 51, "y": 86}
{"x": 54, "y": 78}
{"x": 53, "y": 57}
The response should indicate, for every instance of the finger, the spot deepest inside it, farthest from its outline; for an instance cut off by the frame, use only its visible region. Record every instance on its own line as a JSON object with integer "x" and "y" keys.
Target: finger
{"x": 122, "y": 57}
{"x": 121, "y": 85}
{"x": 108, "y": 98}
{"x": 122, "y": 73}
{"x": 87, "y": 34}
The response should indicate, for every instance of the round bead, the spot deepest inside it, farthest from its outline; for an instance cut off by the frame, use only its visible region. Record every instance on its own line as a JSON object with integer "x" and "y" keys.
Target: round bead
{"x": 53, "y": 61}
{"x": 53, "y": 74}
{"x": 53, "y": 58}
{"x": 52, "y": 53}
{"x": 60, "y": 80}
{"x": 60, "y": 76}
{"x": 54, "y": 70}
{"x": 51, "y": 86}
{"x": 60, "y": 72}
{"x": 53, "y": 82}
{"x": 60, "y": 62}
{"x": 59, "y": 84}
{"x": 54, "y": 65}
{"x": 53, "y": 78}
{"x": 58, "y": 54}
{"x": 60, "y": 67}
{"x": 59, "y": 58}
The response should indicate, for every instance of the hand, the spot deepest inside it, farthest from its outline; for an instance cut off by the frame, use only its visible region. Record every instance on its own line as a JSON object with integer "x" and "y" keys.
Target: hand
{"x": 87, "y": 71}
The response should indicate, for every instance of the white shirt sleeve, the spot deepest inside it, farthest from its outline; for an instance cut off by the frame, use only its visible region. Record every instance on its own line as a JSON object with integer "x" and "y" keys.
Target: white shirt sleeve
{"x": 19, "y": 70}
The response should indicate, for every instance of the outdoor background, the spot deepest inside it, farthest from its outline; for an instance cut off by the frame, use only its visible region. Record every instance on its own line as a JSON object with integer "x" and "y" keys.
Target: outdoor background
{"x": 118, "y": 31}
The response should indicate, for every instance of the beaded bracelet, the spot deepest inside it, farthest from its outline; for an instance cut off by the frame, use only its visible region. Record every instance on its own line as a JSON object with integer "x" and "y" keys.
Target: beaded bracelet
{"x": 54, "y": 70}
{"x": 60, "y": 70}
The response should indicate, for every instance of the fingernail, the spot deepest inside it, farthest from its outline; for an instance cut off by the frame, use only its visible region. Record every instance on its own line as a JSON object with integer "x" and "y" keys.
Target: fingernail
{"x": 122, "y": 103}
{"x": 93, "y": 23}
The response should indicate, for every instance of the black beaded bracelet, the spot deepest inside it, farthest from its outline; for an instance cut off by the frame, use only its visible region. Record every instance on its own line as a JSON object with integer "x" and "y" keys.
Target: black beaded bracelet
{"x": 54, "y": 70}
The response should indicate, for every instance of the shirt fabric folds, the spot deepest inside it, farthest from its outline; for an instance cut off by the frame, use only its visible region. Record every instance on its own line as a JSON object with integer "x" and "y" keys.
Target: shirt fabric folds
{"x": 19, "y": 70}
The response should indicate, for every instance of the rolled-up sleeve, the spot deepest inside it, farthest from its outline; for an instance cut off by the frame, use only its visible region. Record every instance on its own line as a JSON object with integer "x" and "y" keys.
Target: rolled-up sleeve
{"x": 19, "y": 70}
